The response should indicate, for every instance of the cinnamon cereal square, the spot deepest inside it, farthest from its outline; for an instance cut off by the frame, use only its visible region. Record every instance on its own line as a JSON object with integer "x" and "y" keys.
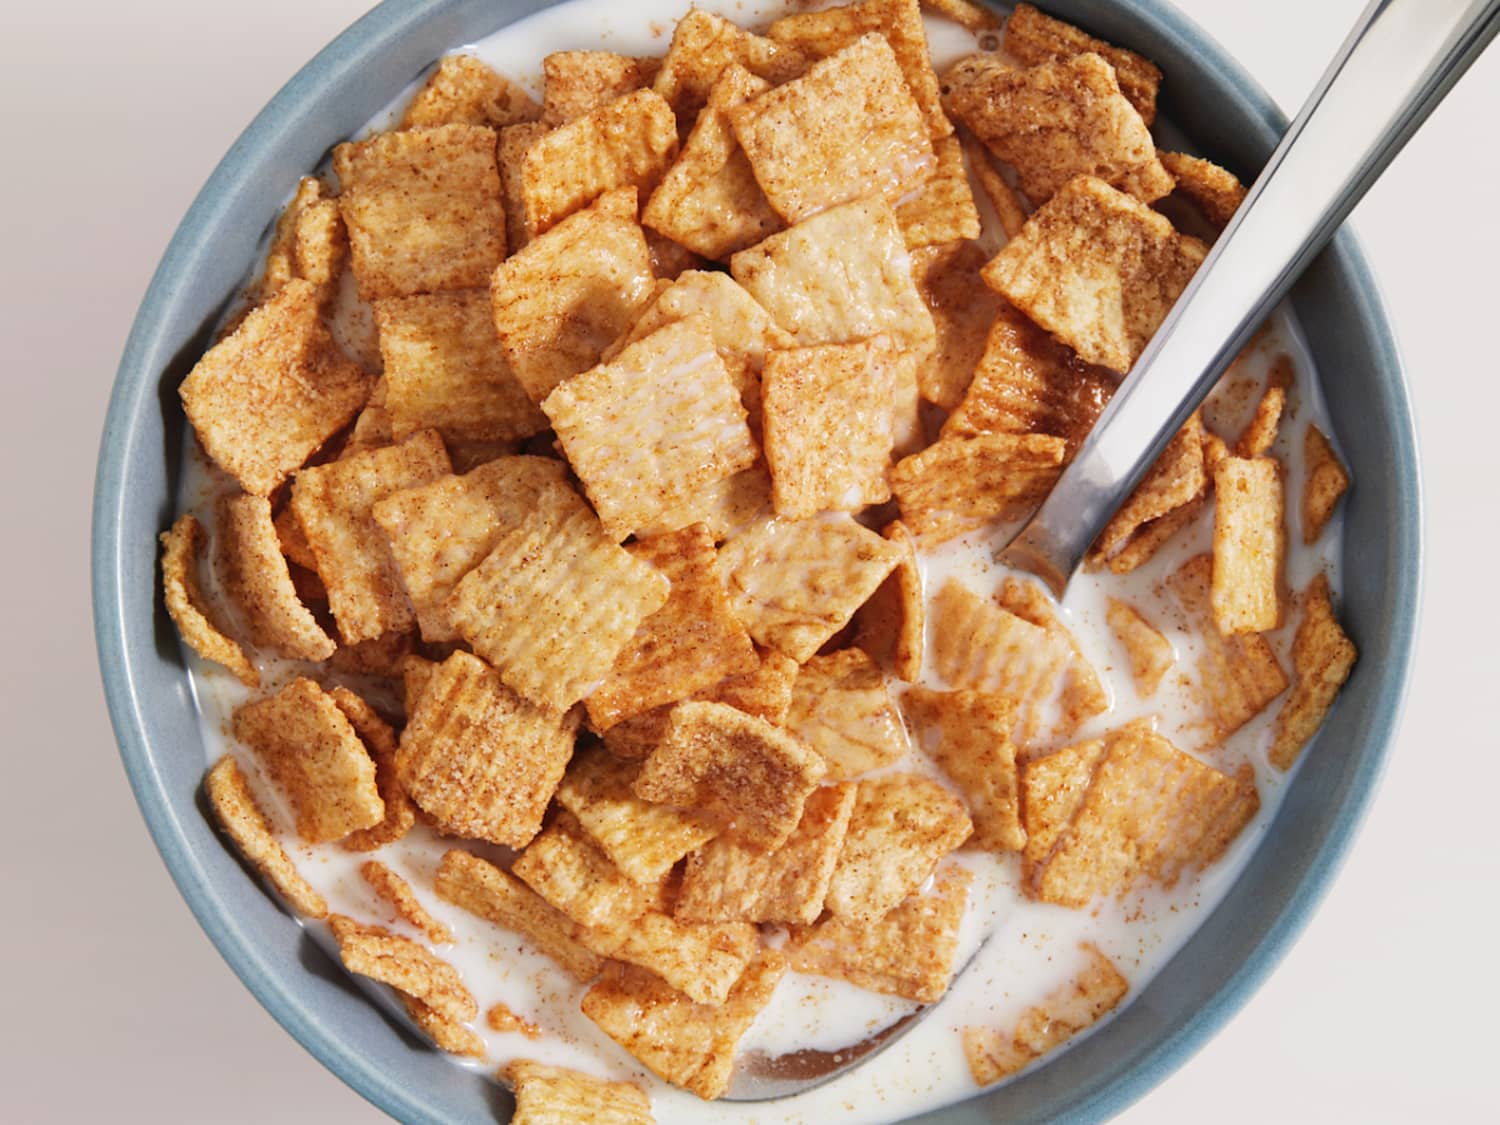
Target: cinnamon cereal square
{"x": 1033, "y": 37}
{"x": 462, "y": 90}
{"x": 843, "y": 710}
{"x": 575, "y": 83}
{"x": 705, "y": 47}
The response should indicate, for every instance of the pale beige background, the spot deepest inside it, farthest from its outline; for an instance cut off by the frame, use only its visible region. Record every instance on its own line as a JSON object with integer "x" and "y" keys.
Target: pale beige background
{"x": 115, "y": 1006}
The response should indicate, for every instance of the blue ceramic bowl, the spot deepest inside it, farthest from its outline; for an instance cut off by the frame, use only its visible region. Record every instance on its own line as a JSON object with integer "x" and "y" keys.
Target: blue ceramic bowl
{"x": 1228, "y": 117}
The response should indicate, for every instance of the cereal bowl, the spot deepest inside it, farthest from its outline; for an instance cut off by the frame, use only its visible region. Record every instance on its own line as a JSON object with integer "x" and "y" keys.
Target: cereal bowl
{"x": 153, "y": 706}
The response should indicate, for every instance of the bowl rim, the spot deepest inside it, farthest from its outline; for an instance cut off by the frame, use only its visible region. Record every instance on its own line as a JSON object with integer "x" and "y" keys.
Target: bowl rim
{"x": 136, "y": 380}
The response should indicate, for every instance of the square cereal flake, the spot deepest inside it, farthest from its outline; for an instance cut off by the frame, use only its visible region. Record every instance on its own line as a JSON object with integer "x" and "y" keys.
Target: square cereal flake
{"x": 555, "y": 1095}
{"x": 462, "y": 90}
{"x": 962, "y": 309}
{"x": 704, "y": 47}
{"x": 239, "y": 815}
{"x": 1033, "y": 37}
{"x": 967, "y": 733}
{"x": 1322, "y": 658}
{"x": 958, "y": 484}
{"x": 842, "y": 709}
{"x": 892, "y": 625}
{"x": 1249, "y": 544}
{"x": 575, "y": 83}
{"x": 942, "y": 210}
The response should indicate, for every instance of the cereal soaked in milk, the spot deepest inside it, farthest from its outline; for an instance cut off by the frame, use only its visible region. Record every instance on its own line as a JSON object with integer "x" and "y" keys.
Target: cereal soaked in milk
{"x": 1013, "y": 951}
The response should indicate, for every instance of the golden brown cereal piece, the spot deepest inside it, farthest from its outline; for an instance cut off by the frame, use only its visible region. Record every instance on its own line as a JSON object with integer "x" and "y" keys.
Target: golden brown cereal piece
{"x": 477, "y": 758}
{"x": 1249, "y": 542}
{"x": 1322, "y": 657}
{"x": 444, "y": 369}
{"x": 309, "y": 242}
{"x": 649, "y": 429}
{"x": 240, "y": 816}
{"x": 501, "y": 1018}
{"x": 380, "y": 743}
{"x": 1326, "y": 481}
{"x": 986, "y": 648}
{"x": 514, "y": 141}
{"x": 462, "y": 90}
{"x": 860, "y": 245}
{"x": 1141, "y": 547}
{"x": 726, "y": 507}
{"x": 1238, "y": 676}
{"x": 943, "y": 209}
{"x": 187, "y": 606}
{"x": 441, "y": 530}
{"x": 1261, "y": 432}
{"x": 447, "y": 1035}
{"x": 554, "y": 1095}
{"x": 690, "y": 644}
{"x": 891, "y": 625}
{"x": 901, "y": 826}
{"x": 965, "y": 13}
{"x": 1098, "y": 269}
{"x": 1217, "y": 193}
{"x": 255, "y": 575}
{"x": 1058, "y": 120}
{"x": 497, "y": 896}
{"x": 1082, "y": 695}
{"x": 315, "y": 758}
{"x": 563, "y": 298}
{"x": 643, "y": 840}
{"x": 335, "y": 502}
{"x": 555, "y": 602}
{"x": 841, "y": 708}
{"x": 626, "y": 143}
{"x": 575, "y": 83}
{"x": 702, "y": 960}
{"x": 690, "y": 1045}
{"x": 416, "y": 676}
{"x": 962, "y": 308}
{"x": 907, "y": 952}
{"x": 795, "y": 583}
{"x": 1052, "y": 790}
{"x": 372, "y": 426}
{"x": 958, "y": 483}
{"x": 967, "y": 733}
{"x": 820, "y": 34}
{"x": 379, "y": 657}
{"x": 741, "y": 769}
{"x": 423, "y": 209}
{"x": 709, "y": 199}
{"x": 705, "y": 47}
{"x": 568, "y": 869}
{"x": 806, "y": 156}
{"x": 375, "y": 952}
{"x": 1007, "y": 203}
{"x": 727, "y": 880}
{"x": 264, "y": 398}
{"x": 397, "y": 893}
{"x": 1175, "y": 480}
{"x": 1094, "y": 992}
{"x": 1150, "y": 653}
{"x": 1028, "y": 383}
{"x": 1032, "y": 38}
{"x": 293, "y": 540}
{"x": 828, "y": 425}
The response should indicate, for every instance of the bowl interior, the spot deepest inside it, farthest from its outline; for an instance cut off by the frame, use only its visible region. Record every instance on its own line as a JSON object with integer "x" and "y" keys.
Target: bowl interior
{"x": 151, "y": 704}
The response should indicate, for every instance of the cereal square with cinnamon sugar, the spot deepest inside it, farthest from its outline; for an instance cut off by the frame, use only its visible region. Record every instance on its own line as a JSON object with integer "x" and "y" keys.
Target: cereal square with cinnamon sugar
{"x": 182, "y": 544}
{"x": 629, "y": 142}
{"x": 397, "y": 894}
{"x": 691, "y": 643}
{"x": 422, "y": 208}
{"x": 571, "y": 872}
{"x": 240, "y": 816}
{"x": 444, "y": 369}
{"x": 967, "y": 733}
{"x": 962, "y": 309}
{"x": 891, "y": 626}
{"x": 901, "y": 826}
{"x": 413, "y": 971}
{"x": 462, "y": 90}
{"x": 705, "y": 47}
{"x": 909, "y": 951}
{"x": 643, "y": 839}
{"x": 942, "y": 210}
{"x": 649, "y": 429}
{"x": 805, "y": 156}
{"x": 575, "y": 83}
{"x": 958, "y": 483}
{"x": 1082, "y": 696}
{"x": 709, "y": 200}
{"x": 1150, "y": 653}
{"x": 478, "y": 759}
{"x": 795, "y": 583}
{"x": 702, "y": 960}
{"x": 899, "y": 22}
{"x": 1326, "y": 481}
{"x": 264, "y": 398}
{"x": 688, "y": 1044}
{"x": 1249, "y": 542}
{"x": 860, "y": 244}
{"x": 563, "y": 298}
{"x": 315, "y": 758}
{"x": 335, "y": 504}
{"x": 1217, "y": 192}
{"x": 842, "y": 709}
{"x": 555, "y": 1095}
{"x": 1322, "y": 658}
{"x": 254, "y": 573}
{"x": 441, "y": 530}
{"x": 1098, "y": 269}
{"x": 751, "y": 775}
{"x": 727, "y": 880}
{"x": 1033, "y": 37}
{"x": 809, "y": 394}
{"x": 555, "y": 601}
{"x": 380, "y": 741}
{"x": 1176, "y": 479}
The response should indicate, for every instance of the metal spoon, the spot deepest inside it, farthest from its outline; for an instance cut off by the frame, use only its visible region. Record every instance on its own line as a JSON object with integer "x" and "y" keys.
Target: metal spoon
{"x": 1400, "y": 60}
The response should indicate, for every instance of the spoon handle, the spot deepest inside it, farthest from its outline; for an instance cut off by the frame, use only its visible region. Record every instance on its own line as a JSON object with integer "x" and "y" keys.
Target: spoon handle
{"x": 1400, "y": 60}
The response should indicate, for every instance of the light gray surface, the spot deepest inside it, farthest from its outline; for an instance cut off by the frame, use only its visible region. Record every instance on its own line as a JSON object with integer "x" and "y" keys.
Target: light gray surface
{"x": 119, "y": 1005}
